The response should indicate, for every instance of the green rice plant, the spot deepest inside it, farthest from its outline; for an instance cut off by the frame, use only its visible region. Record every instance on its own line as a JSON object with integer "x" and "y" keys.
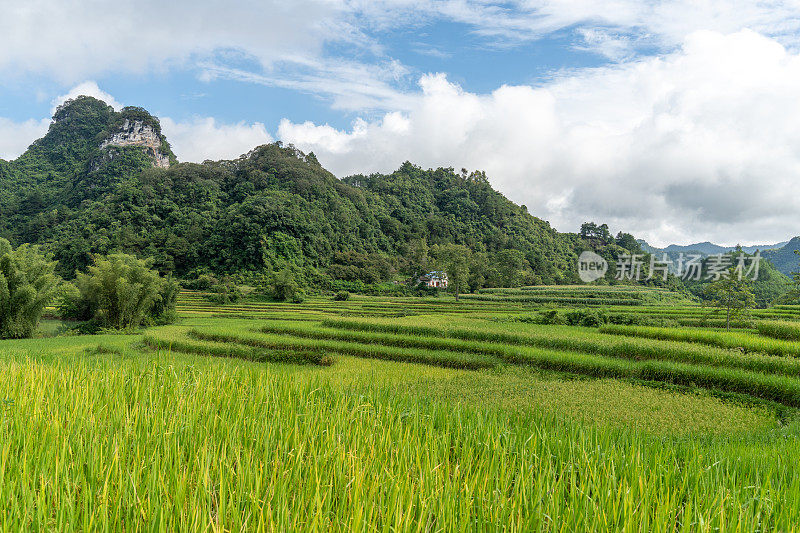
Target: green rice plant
{"x": 161, "y": 445}
{"x": 304, "y": 355}
{"x": 565, "y": 339}
{"x": 787, "y": 331}
{"x": 433, "y": 357}
{"x": 745, "y": 342}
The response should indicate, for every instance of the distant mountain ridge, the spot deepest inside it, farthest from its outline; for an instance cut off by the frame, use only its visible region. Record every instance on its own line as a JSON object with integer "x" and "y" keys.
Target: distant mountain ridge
{"x": 779, "y": 254}
{"x": 709, "y": 248}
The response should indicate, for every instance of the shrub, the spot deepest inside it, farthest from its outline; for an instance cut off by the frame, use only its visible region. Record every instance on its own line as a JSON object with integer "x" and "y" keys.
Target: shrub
{"x": 550, "y": 317}
{"x": 226, "y": 292}
{"x": 120, "y": 291}
{"x": 299, "y": 296}
{"x": 27, "y": 285}
{"x": 203, "y": 282}
{"x": 284, "y": 287}
{"x": 341, "y": 296}
{"x": 584, "y": 317}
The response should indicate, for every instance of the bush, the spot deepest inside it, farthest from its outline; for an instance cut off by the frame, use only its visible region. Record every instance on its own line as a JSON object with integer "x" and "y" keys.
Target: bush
{"x": 284, "y": 287}
{"x": 203, "y": 282}
{"x": 225, "y": 293}
{"x": 120, "y": 291}
{"x": 341, "y": 296}
{"x": 584, "y": 317}
{"x": 299, "y": 296}
{"x": 549, "y": 317}
{"x": 27, "y": 285}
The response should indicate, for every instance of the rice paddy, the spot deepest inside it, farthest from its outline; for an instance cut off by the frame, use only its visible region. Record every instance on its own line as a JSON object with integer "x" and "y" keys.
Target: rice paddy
{"x": 407, "y": 414}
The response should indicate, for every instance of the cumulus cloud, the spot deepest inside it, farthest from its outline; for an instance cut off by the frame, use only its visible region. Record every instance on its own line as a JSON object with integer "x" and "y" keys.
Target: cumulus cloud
{"x": 288, "y": 44}
{"x": 15, "y": 137}
{"x": 75, "y": 39}
{"x": 87, "y": 88}
{"x": 700, "y": 143}
{"x": 204, "y": 138}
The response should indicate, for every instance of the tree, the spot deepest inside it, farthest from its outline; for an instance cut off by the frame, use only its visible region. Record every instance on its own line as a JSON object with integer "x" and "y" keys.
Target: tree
{"x": 731, "y": 293}
{"x": 455, "y": 259}
{"x": 597, "y": 234}
{"x": 629, "y": 242}
{"x": 510, "y": 263}
{"x": 794, "y": 294}
{"x": 27, "y": 285}
{"x": 284, "y": 287}
{"x": 122, "y": 292}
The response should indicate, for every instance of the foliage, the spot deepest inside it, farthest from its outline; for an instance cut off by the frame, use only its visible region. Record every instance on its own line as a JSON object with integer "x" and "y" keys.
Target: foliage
{"x": 341, "y": 296}
{"x": 27, "y": 285}
{"x": 272, "y": 209}
{"x": 284, "y": 286}
{"x": 731, "y": 294}
{"x": 224, "y": 292}
{"x": 122, "y": 292}
{"x": 455, "y": 259}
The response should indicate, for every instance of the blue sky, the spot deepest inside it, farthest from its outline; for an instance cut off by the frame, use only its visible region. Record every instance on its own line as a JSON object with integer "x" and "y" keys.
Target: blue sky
{"x": 675, "y": 120}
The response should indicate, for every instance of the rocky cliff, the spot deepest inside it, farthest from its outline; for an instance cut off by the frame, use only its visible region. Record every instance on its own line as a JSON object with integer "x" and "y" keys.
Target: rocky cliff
{"x": 138, "y": 133}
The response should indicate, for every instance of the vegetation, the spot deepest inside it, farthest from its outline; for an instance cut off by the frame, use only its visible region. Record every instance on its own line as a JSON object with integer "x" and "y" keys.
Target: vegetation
{"x": 122, "y": 292}
{"x": 787, "y": 331}
{"x": 27, "y": 285}
{"x": 247, "y": 414}
{"x": 287, "y": 399}
{"x": 273, "y": 209}
{"x": 732, "y": 294}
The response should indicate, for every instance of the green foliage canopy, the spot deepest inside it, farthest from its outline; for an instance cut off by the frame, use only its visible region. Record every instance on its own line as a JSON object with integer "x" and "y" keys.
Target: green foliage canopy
{"x": 122, "y": 292}
{"x": 27, "y": 285}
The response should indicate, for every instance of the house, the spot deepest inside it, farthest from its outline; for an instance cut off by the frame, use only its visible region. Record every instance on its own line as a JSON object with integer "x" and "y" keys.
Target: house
{"x": 436, "y": 280}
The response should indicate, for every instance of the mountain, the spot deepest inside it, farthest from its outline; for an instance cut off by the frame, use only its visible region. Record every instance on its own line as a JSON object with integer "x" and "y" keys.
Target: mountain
{"x": 102, "y": 180}
{"x": 784, "y": 258}
{"x": 707, "y": 248}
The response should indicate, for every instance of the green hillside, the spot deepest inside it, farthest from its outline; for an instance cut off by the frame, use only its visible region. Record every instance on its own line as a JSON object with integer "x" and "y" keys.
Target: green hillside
{"x": 785, "y": 259}
{"x": 273, "y": 208}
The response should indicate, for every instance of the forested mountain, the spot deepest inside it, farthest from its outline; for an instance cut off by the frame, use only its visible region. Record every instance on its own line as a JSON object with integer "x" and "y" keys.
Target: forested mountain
{"x": 102, "y": 180}
{"x": 784, "y": 258}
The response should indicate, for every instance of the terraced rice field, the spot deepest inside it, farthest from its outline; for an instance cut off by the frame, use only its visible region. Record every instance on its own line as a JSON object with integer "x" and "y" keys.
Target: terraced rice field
{"x": 404, "y": 414}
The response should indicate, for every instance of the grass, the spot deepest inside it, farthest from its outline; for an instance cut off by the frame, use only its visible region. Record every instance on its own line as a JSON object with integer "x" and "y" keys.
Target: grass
{"x": 165, "y": 443}
{"x": 779, "y": 330}
{"x": 402, "y": 414}
{"x": 720, "y": 372}
{"x": 743, "y": 341}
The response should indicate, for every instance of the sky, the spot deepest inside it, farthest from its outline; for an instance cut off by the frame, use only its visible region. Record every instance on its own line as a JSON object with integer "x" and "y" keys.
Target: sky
{"x": 677, "y": 121}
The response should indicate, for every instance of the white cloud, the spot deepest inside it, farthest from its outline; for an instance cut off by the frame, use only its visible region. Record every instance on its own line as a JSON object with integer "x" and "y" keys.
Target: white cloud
{"x": 287, "y": 43}
{"x": 703, "y": 143}
{"x": 87, "y": 88}
{"x": 15, "y": 137}
{"x": 75, "y": 39}
{"x": 349, "y": 85}
{"x": 204, "y": 138}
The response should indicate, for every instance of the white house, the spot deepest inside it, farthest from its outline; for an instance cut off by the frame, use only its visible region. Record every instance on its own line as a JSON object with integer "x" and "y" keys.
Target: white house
{"x": 436, "y": 279}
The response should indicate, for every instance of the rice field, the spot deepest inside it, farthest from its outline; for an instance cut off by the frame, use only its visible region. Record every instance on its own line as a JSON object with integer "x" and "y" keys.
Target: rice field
{"x": 406, "y": 414}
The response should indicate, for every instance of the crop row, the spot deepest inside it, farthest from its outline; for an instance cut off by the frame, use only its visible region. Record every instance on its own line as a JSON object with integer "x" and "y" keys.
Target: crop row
{"x": 617, "y": 364}
{"x": 746, "y": 342}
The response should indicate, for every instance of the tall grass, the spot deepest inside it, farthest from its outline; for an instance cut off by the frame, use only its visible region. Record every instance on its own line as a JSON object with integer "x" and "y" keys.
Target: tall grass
{"x": 787, "y": 331}
{"x": 409, "y": 355}
{"x": 724, "y": 339}
{"x": 158, "y": 445}
{"x": 507, "y": 345}
{"x": 776, "y": 388}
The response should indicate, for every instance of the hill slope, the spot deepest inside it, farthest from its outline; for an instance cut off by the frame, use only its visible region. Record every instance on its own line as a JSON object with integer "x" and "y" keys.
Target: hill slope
{"x": 784, "y": 258}
{"x": 102, "y": 180}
